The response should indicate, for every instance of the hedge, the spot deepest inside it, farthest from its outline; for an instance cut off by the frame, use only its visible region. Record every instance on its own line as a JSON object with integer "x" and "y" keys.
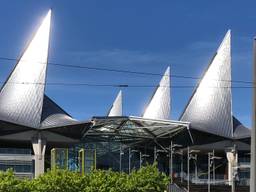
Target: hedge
{"x": 146, "y": 179}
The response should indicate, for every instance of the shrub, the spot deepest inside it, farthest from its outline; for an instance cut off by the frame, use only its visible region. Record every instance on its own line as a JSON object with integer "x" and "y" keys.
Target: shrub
{"x": 147, "y": 179}
{"x": 105, "y": 181}
{"x": 8, "y": 182}
{"x": 57, "y": 181}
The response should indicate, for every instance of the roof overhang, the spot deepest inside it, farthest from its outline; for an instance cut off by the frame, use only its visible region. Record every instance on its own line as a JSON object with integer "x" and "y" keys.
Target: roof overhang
{"x": 69, "y": 133}
{"x": 132, "y": 129}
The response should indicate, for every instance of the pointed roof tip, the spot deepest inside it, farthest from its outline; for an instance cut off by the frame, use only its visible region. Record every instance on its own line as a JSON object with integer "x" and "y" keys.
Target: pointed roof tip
{"x": 46, "y": 20}
{"x": 159, "y": 104}
{"x": 167, "y": 71}
{"x": 49, "y": 11}
{"x": 166, "y": 75}
{"x": 48, "y": 15}
{"x": 226, "y": 40}
{"x": 228, "y": 34}
{"x": 116, "y": 108}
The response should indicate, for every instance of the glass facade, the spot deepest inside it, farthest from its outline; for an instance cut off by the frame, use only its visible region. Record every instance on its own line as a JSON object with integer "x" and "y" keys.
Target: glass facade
{"x": 18, "y": 159}
{"x": 59, "y": 158}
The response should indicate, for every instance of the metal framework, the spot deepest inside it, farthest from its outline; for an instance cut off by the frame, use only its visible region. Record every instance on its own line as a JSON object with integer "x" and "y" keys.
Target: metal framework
{"x": 131, "y": 129}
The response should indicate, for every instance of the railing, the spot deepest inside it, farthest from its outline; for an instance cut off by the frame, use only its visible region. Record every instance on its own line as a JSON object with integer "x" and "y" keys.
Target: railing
{"x": 219, "y": 180}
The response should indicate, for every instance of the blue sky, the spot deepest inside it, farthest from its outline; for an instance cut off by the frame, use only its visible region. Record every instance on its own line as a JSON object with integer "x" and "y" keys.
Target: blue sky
{"x": 144, "y": 35}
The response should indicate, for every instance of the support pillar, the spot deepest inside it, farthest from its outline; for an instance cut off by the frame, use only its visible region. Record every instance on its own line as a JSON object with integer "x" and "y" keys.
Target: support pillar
{"x": 253, "y": 132}
{"x": 232, "y": 163}
{"x": 39, "y": 145}
{"x": 231, "y": 158}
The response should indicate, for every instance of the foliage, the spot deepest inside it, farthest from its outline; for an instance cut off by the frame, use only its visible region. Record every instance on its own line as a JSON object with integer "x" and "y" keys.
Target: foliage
{"x": 147, "y": 179}
{"x": 57, "y": 181}
{"x": 9, "y": 183}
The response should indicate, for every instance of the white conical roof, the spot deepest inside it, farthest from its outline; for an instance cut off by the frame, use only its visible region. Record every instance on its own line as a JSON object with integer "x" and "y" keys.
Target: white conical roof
{"x": 209, "y": 109}
{"x": 21, "y": 97}
{"x": 159, "y": 106}
{"x": 116, "y": 109}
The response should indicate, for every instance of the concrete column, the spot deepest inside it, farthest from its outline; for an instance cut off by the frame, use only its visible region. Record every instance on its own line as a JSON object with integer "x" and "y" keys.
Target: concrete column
{"x": 39, "y": 145}
{"x": 231, "y": 158}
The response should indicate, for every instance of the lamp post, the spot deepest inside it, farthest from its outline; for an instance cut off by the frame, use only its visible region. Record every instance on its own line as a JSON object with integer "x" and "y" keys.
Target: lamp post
{"x": 213, "y": 168}
{"x": 195, "y": 159}
{"x": 129, "y": 158}
{"x": 196, "y": 175}
{"x": 211, "y": 158}
{"x": 180, "y": 152}
{"x": 171, "y": 152}
{"x": 134, "y": 151}
{"x": 157, "y": 151}
{"x": 121, "y": 153}
{"x": 140, "y": 159}
{"x": 142, "y": 156}
{"x": 170, "y": 161}
{"x": 209, "y": 172}
{"x": 181, "y": 167}
{"x": 189, "y": 156}
{"x": 155, "y": 154}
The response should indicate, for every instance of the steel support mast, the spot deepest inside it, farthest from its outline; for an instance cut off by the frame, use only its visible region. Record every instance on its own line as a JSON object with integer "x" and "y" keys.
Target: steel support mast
{"x": 253, "y": 131}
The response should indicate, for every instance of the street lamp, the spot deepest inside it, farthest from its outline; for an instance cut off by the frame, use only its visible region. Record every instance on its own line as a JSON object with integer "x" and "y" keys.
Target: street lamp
{"x": 135, "y": 151}
{"x": 121, "y": 153}
{"x": 130, "y": 156}
{"x": 157, "y": 151}
{"x": 211, "y": 158}
{"x": 142, "y": 156}
{"x": 129, "y": 160}
{"x": 194, "y": 157}
{"x": 189, "y": 156}
{"x": 171, "y": 152}
{"x": 155, "y": 154}
{"x": 180, "y": 152}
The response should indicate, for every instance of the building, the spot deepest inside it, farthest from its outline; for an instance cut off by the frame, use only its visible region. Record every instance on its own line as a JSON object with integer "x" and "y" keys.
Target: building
{"x": 31, "y": 120}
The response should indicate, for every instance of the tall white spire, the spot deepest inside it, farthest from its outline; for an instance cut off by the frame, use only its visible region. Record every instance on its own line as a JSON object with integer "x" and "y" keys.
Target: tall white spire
{"x": 159, "y": 106}
{"x": 21, "y": 97}
{"x": 209, "y": 109}
{"x": 116, "y": 109}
